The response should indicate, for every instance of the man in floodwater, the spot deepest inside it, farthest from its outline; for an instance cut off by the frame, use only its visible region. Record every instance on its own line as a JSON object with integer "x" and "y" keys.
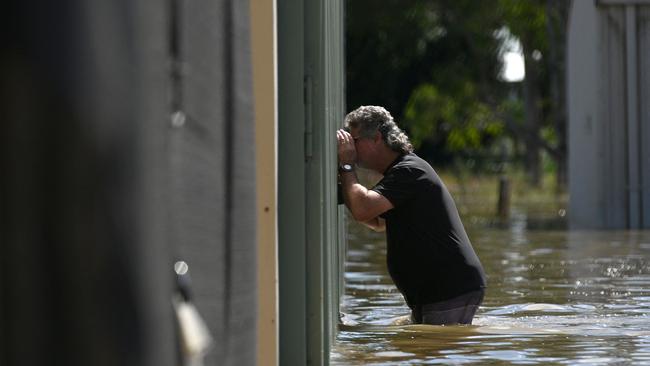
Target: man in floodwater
{"x": 430, "y": 257}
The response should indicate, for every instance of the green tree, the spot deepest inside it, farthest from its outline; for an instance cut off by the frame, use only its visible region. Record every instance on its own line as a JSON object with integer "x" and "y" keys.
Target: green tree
{"x": 435, "y": 64}
{"x": 460, "y": 122}
{"x": 541, "y": 27}
{"x": 401, "y": 54}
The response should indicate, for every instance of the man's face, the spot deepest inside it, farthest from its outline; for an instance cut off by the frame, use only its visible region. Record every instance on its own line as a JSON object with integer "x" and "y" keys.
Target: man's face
{"x": 364, "y": 146}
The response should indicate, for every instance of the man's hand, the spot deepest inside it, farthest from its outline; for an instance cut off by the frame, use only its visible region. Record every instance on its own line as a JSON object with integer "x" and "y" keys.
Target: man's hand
{"x": 365, "y": 205}
{"x": 347, "y": 152}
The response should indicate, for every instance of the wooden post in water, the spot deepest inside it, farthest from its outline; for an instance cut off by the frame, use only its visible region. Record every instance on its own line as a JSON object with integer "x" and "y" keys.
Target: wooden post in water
{"x": 503, "y": 208}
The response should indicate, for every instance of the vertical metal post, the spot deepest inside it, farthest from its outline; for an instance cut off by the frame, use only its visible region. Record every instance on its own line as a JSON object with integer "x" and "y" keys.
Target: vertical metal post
{"x": 633, "y": 132}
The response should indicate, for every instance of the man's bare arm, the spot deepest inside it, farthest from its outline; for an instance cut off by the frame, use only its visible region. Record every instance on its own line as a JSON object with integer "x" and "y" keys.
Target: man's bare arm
{"x": 364, "y": 204}
{"x": 377, "y": 224}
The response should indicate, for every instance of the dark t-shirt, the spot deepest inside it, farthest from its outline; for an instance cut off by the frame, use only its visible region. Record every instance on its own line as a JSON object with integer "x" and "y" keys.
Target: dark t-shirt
{"x": 430, "y": 257}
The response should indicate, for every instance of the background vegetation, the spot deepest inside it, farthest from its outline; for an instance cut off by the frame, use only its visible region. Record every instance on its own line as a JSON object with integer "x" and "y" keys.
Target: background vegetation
{"x": 437, "y": 66}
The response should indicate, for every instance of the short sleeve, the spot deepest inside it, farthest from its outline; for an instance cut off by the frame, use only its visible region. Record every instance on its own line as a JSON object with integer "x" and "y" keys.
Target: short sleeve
{"x": 399, "y": 185}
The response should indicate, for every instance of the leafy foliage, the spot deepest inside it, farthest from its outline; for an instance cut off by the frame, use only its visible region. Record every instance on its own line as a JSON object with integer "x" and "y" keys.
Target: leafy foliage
{"x": 436, "y": 64}
{"x": 459, "y": 122}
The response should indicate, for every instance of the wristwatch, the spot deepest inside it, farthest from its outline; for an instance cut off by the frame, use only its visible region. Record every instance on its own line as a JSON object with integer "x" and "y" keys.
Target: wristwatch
{"x": 346, "y": 168}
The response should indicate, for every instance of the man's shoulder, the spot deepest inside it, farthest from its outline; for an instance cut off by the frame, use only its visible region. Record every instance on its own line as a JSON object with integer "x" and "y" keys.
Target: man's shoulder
{"x": 415, "y": 163}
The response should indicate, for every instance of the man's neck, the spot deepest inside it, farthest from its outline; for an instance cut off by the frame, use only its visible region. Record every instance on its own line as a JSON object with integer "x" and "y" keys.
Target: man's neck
{"x": 387, "y": 158}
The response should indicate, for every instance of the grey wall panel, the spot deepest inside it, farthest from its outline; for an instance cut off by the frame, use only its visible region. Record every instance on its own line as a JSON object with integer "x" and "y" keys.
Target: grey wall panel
{"x": 212, "y": 173}
{"x": 335, "y": 110}
{"x": 99, "y": 193}
{"x": 324, "y": 72}
{"x": 291, "y": 184}
{"x": 310, "y": 106}
{"x": 84, "y": 260}
{"x": 240, "y": 205}
{"x": 612, "y": 127}
{"x": 614, "y": 171}
{"x": 316, "y": 183}
{"x": 584, "y": 132}
{"x": 643, "y": 27}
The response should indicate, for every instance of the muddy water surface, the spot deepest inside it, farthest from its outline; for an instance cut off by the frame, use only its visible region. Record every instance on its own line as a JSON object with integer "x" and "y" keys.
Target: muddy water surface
{"x": 554, "y": 297}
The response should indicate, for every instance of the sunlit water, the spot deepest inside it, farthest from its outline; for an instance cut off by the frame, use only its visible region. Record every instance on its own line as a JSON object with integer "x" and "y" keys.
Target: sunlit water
{"x": 554, "y": 297}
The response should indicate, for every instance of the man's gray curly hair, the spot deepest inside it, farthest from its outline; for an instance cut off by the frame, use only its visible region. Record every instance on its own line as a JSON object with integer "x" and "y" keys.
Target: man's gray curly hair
{"x": 370, "y": 118}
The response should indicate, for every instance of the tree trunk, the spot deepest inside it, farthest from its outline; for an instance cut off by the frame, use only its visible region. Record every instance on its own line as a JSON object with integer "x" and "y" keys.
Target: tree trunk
{"x": 557, "y": 12}
{"x": 532, "y": 118}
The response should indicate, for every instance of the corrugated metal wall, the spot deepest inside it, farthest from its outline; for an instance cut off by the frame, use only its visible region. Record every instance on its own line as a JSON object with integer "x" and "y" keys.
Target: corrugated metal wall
{"x": 643, "y": 24}
{"x": 613, "y": 97}
{"x": 100, "y": 192}
{"x": 324, "y": 74}
{"x": 212, "y": 171}
{"x": 310, "y": 106}
{"x": 609, "y": 118}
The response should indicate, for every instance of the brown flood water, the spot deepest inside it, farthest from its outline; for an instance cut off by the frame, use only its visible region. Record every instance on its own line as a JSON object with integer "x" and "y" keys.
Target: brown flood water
{"x": 554, "y": 297}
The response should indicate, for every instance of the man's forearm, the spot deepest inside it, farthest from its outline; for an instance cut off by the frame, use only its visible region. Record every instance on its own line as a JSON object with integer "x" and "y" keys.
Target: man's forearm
{"x": 364, "y": 204}
{"x": 353, "y": 193}
{"x": 377, "y": 224}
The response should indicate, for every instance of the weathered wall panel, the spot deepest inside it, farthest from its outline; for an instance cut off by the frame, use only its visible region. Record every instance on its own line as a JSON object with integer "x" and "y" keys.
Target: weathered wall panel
{"x": 585, "y": 155}
{"x": 99, "y": 193}
{"x": 86, "y": 276}
{"x": 608, "y": 129}
{"x": 614, "y": 171}
{"x": 212, "y": 172}
{"x": 310, "y": 81}
{"x": 643, "y": 22}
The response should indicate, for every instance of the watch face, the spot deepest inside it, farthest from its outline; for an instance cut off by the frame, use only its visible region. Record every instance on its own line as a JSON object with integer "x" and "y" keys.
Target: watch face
{"x": 346, "y": 168}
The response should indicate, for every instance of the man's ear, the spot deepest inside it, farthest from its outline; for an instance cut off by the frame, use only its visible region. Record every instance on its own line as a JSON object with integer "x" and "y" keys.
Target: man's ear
{"x": 377, "y": 137}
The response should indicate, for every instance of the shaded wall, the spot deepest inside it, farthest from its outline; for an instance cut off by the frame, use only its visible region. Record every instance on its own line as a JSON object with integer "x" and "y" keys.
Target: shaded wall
{"x": 310, "y": 109}
{"x": 609, "y": 120}
{"x": 100, "y": 192}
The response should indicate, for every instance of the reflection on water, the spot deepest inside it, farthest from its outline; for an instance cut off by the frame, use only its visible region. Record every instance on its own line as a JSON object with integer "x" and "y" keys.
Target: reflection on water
{"x": 554, "y": 297}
